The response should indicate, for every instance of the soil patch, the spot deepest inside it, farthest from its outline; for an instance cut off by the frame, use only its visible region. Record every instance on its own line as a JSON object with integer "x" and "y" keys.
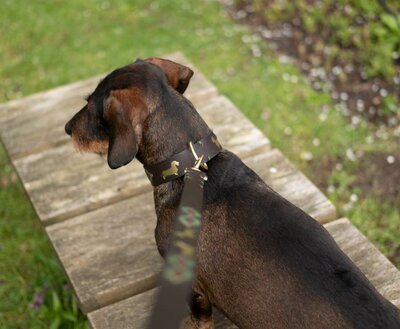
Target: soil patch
{"x": 379, "y": 172}
{"x": 357, "y": 95}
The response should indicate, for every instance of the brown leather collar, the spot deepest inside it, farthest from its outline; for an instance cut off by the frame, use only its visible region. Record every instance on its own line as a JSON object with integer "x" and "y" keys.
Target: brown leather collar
{"x": 175, "y": 166}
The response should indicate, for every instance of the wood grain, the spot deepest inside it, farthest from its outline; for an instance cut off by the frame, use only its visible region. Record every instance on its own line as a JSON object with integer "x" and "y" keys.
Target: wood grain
{"x": 109, "y": 254}
{"x": 133, "y": 312}
{"x": 36, "y": 123}
{"x": 63, "y": 183}
{"x": 235, "y": 132}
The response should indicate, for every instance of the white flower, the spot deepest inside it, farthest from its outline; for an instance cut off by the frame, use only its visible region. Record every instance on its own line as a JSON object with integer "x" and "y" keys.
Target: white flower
{"x": 351, "y": 155}
{"x": 307, "y": 156}
{"x": 316, "y": 142}
{"x": 390, "y": 159}
{"x": 383, "y": 92}
{"x": 353, "y": 198}
{"x": 288, "y": 131}
{"x": 331, "y": 189}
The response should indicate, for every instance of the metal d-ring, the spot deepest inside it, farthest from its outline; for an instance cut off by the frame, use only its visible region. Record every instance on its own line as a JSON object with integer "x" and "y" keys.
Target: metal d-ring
{"x": 202, "y": 165}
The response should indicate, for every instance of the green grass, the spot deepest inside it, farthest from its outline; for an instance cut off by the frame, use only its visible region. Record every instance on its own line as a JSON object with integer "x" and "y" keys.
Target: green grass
{"x": 28, "y": 265}
{"x": 50, "y": 43}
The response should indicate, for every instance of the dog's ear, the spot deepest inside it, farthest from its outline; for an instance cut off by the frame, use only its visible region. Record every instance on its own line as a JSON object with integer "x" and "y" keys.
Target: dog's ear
{"x": 178, "y": 75}
{"x": 123, "y": 122}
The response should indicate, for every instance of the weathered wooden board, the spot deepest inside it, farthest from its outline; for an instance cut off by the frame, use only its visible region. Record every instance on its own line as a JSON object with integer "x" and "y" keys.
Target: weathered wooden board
{"x": 284, "y": 178}
{"x": 244, "y": 139}
{"x": 109, "y": 254}
{"x": 63, "y": 183}
{"x": 134, "y": 312}
{"x": 36, "y": 123}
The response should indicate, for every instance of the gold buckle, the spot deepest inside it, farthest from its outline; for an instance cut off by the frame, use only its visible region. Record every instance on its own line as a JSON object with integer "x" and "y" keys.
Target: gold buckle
{"x": 198, "y": 162}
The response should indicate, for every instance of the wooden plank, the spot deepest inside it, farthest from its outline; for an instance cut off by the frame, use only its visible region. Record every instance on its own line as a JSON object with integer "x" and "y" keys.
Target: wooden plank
{"x": 134, "y": 312}
{"x": 63, "y": 183}
{"x": 109, "y": 254}
{"x": 283, "y": 177}
{"x": 36, "y": 123}
{"x": 235, "y": 132}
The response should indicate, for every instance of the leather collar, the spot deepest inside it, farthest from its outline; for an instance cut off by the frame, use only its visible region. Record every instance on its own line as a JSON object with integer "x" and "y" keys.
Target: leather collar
{"x": 176, "y": 166}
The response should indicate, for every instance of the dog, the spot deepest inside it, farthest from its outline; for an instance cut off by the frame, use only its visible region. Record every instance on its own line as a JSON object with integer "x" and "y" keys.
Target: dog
{"x": 262, "y": 261}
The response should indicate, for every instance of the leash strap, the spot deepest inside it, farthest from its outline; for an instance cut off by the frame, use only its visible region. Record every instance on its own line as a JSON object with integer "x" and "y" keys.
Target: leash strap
{"x": 180, "y": 266}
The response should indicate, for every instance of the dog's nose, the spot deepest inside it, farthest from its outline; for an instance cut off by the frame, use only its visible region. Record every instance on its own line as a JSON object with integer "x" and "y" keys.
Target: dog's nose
{"x": 68, "y": 128}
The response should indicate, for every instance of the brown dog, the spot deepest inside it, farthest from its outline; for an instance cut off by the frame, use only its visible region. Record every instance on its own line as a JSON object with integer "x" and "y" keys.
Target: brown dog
{"x": 262, "y": 261}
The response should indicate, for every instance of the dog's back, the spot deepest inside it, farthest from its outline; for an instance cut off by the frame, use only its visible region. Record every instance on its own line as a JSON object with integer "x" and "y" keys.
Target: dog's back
{"x": 275, "y": 266}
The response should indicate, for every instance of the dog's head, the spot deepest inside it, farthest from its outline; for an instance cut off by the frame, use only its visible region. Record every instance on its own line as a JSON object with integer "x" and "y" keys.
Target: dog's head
{"x": 112, "y": 120}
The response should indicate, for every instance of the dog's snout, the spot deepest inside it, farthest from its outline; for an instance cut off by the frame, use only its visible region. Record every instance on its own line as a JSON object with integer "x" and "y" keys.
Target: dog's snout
{"x": 68, "y": 128}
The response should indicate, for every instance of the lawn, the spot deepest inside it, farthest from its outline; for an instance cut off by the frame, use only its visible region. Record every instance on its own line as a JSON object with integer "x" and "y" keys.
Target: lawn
{"x": 49, "y": 43}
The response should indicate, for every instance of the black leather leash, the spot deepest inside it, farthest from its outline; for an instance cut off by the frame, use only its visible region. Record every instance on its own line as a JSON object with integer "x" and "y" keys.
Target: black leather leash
{"x": 180, "y": 263}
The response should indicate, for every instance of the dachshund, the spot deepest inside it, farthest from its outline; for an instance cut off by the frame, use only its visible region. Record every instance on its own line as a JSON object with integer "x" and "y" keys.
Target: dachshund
{"x": 262, "y": 261}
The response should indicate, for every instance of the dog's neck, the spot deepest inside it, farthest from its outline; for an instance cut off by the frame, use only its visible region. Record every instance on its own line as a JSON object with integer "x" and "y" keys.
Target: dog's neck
{"x": 169, "y": 129}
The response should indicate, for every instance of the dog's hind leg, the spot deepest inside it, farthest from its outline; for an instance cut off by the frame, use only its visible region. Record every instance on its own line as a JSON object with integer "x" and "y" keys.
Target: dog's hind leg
{"x": 201, "y": 317}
